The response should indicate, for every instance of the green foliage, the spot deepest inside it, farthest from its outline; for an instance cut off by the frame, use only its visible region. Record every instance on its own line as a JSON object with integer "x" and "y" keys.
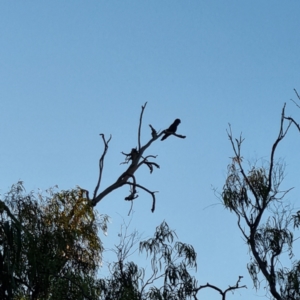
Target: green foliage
{"x": 49, "y": 245}
{"x": 50, "y": 249}
{"x": 265, "y": 220}
{"x": 170, "y": 263}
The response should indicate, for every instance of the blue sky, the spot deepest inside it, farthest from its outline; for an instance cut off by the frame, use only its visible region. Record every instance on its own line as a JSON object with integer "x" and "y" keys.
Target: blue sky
{"x": 70, "y": 70}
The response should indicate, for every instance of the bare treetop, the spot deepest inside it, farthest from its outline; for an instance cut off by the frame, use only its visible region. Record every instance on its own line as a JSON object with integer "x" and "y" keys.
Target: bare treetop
{"x": 135, "y": 158}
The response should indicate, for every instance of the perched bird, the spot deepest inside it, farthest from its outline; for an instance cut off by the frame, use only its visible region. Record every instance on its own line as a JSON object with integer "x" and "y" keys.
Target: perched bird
{"x": 153, "y": 132}
{"x": 171, "y": 129}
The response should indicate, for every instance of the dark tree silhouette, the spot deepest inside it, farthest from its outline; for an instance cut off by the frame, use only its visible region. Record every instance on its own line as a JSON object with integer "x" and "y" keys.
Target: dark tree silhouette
{"x": 49, "y": 246}
{"x": 266, "y": 220}
{"x": 135, "y": 158}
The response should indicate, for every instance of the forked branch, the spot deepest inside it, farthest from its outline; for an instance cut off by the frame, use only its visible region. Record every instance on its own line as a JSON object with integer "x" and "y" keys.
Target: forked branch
{"x": 223, "y": 293}
{"x": 135, "y": 159}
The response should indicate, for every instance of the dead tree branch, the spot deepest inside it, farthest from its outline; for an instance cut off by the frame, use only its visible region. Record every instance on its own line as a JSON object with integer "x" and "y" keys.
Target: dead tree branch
{"x": 101, "y": 162}
{"x": 136, "y": 159}
{"x": 290, "y": 118}
{"x": 298, "y": 96}
{"x": 140, "y": 125}
{"x": 134, "y": 185}
{"x": 223, "y": 293}
{"x": 293, "y": 121}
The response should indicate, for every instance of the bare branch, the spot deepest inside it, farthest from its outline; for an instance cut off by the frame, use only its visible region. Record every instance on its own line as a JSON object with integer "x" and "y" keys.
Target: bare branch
{"x": 223, "y": 293}
{"x": 148, "y": 191}
{"x": 133, "y": 191}
{"x": 136, "y": 159}
{"x": 140, "y": 125}
{"x": 236, "y": 286}
{"x": 281, "y": 135}
{"x": 297, "y": 94}
{"x": 293, "y": 121}
{"x": 290, "y": 118}
{"x": 101, "y": 163}
{"x": 240, "y": 227}
{"x": 149, "y": 164}
{"x": 130, "y": 156}
{"x": 295, "y": 103}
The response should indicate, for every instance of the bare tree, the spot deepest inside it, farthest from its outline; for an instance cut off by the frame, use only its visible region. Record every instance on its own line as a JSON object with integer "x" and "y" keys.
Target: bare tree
{"x": 135, "y": 158}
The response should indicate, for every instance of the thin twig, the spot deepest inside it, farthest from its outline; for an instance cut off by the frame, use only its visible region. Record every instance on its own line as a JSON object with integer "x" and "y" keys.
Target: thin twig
{"x": 297, "y": 94}
{"x": 293, "y": 121}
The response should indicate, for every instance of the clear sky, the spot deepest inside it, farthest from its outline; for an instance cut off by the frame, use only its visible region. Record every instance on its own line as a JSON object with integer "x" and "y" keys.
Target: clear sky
{"x": 70, "y": 70}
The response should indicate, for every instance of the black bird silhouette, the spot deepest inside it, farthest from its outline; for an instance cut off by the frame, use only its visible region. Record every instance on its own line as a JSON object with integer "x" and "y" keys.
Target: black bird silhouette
{"x": 171, "y": 129}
